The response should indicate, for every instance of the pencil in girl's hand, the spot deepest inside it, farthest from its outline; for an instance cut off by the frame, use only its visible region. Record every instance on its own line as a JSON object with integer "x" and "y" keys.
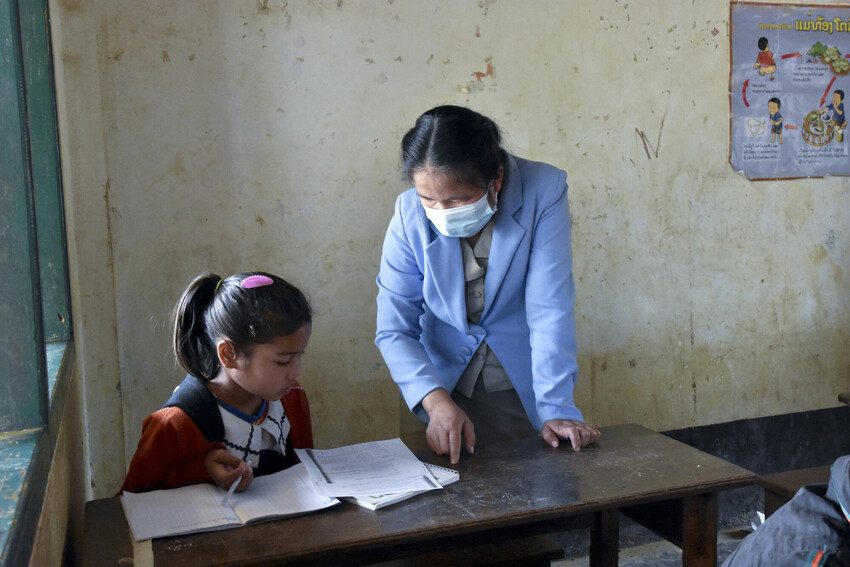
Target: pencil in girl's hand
{"x": 231, "y": 490}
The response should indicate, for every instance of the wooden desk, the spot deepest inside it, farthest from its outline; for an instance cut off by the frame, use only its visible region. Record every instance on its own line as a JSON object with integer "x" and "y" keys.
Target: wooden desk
{"x": 506, "y": 491}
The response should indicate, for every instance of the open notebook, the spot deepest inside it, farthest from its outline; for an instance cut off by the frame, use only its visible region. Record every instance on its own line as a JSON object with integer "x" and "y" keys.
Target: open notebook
{"x": 199, "y": 508}
{"x": 443, "y": 475}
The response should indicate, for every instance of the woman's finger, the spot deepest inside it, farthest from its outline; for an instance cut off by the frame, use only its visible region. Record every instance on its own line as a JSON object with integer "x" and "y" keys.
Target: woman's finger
{"x": 454, "y": 444}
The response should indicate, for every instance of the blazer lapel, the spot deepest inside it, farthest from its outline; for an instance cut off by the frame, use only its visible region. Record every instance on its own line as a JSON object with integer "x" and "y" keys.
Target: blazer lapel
{"x": 507, "y": 234}
{"x": 445, "y": 265}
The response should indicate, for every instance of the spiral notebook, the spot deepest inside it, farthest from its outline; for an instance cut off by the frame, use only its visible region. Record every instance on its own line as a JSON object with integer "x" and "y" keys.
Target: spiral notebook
{"x": 443, "y": 475}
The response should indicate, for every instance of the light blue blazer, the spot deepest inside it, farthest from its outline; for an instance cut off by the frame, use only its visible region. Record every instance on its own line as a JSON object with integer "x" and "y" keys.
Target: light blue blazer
{"x": 422, "y": 329}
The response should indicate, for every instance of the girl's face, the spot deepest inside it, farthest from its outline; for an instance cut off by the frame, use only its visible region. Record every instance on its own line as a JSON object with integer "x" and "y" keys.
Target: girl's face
{"x": 272, "y": 369}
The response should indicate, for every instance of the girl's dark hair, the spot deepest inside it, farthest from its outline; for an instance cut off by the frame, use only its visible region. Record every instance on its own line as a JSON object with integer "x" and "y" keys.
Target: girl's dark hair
{"x": 458, "y": 141}
{"x": 762, "y": 43}
{"x": 212, "y": 308}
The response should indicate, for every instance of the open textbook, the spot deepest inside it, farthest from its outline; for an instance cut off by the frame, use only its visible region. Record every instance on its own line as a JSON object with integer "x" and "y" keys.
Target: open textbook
{"x": 202, "y": 507}
{"x": 375, "y": 502}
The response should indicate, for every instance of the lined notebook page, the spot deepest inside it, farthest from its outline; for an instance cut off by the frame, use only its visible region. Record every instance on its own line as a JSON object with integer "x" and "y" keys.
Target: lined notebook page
{"x": 285, "y": 493}
{"x": 179, "y": 511}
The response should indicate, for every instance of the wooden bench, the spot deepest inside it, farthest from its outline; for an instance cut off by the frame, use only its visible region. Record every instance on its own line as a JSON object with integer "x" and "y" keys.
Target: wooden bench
{"x": 533, "y": 551}
{"x": 779, "y": 488}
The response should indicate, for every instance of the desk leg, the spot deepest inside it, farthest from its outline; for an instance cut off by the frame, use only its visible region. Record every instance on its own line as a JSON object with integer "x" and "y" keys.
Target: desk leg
{"x": 699, "y": 530}
{"x": 605, "y": 538}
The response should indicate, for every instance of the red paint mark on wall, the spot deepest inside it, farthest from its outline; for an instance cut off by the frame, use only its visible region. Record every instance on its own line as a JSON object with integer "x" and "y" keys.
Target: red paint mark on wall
{"x": 490, "y": 72}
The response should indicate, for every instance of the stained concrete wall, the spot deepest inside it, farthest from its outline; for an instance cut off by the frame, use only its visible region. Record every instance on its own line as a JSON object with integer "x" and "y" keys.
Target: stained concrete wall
{"x": 263, "y": 134}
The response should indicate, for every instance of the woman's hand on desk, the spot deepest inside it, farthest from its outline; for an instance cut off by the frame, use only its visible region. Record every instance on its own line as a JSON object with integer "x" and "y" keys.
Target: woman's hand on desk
{"x": 579, "y": 433}
{"x": 447, "y": 423}
{"x": 225, "y": 468}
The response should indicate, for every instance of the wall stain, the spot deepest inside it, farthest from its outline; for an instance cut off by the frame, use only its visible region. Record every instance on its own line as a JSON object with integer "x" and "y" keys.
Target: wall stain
{"x": 694, "y": 391}
{"x": 818, "y": 255}
{"x": 109, "y": 255}
{"x": 485, "y": 4}
{"x": 177, "y": 167}
{"x": 165, "y": 57}
{"x": 490, "y": 72}
{"x": 260, "y": 221}
{"x": 830, "y": 239}
{"x": 592, "y": 381}
{"x": 71, "y": 5}
{"x": 647, "y": 144}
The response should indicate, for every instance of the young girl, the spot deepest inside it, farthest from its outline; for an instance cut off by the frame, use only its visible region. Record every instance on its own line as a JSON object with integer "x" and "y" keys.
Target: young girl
{"x": 241, "y": 340}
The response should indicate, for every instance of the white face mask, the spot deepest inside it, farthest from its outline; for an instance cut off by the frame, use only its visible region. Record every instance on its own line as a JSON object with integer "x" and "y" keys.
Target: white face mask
{"x": 463, "y": 221}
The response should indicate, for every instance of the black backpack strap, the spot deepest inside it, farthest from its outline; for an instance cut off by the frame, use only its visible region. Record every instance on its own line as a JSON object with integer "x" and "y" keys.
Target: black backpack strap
{"x": 193, "y": 397}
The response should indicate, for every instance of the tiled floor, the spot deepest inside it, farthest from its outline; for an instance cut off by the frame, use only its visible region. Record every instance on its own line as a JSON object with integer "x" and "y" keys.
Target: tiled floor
{"x": 663, "y": 554}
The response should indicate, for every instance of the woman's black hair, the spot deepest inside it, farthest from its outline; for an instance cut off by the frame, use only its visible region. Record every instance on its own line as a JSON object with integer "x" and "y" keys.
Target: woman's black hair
{"x": 212, "y": 308}
{"x": 456, "y": 140}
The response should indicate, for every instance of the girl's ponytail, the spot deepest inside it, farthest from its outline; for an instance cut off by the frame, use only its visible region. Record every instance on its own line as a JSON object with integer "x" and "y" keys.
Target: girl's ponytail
{"x": 193, "y": 347}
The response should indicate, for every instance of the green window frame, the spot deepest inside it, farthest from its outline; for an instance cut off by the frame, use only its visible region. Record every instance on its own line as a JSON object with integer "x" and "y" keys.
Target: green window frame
{"x": 35, "y": 319}
{"x": 34, "y": 306}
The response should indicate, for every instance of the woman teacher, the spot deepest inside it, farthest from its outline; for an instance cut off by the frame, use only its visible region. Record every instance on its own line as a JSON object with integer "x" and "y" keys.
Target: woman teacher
{"x": 475, "y": 290}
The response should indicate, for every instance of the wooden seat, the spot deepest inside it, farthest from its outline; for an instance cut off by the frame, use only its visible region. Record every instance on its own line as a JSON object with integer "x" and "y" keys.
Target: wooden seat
{"x": 779, "y": 488}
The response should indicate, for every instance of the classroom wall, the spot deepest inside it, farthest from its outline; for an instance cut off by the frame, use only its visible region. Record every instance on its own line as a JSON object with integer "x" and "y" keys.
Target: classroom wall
{"x": 264, "y": 134}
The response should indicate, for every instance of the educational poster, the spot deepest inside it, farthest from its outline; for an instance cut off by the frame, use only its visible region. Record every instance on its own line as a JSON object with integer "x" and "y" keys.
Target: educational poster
{"x": 790, "y": 72}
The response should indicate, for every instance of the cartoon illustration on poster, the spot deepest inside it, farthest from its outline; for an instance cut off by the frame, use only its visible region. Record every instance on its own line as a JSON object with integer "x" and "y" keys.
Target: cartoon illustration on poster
{"x": 790, "y": 72}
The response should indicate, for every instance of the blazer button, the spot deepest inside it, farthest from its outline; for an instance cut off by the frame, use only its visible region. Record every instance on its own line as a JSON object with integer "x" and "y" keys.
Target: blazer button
{"x": 467, "y": 350}
{"x": 460, "y": 358}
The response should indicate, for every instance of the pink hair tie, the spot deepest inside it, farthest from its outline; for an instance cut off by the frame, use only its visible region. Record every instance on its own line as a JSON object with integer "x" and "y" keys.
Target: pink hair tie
{"x": 256, "y": 281}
